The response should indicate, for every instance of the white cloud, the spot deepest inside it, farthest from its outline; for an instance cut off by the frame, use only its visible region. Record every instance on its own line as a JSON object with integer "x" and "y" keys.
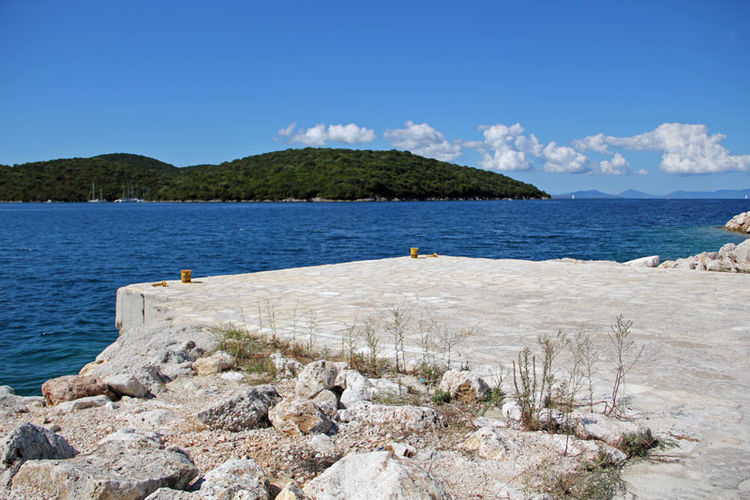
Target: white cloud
{"x": 424, "y": 140}
{"x": 592, "y": 143}
{"x": 564, "y": 160}
{"x": 319, "y": 135}
{"x": 686, "y": 148}
{"x": 506, "y": 148}
{"x": 618, "y": 165}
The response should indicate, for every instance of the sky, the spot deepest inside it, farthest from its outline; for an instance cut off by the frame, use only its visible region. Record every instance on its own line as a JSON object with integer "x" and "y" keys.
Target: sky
{"x": 645, "y": 95}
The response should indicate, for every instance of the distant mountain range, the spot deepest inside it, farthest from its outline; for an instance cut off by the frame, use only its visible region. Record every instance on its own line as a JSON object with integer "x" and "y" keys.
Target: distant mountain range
{"x": 632, "y": 194}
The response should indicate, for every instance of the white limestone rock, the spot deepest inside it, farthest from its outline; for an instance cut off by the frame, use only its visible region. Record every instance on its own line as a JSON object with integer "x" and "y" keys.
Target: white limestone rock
{"x": 129, "y": 465}
{"x": 27, "y": 442}
{"x": 328, "y": 402}
{"x": 465, "y": 386}
{"x": 650, "y": 261}
{"x": 154, "y": 355}
{"x": 488, "y": 443}
{"x": 730, "y": 258}
{"x": 374, "y": 476}
{"x": 125, "y": 384}
{"x": 236, "y": 479}
{"x": 291, "y": 491}
{"x": 357, "y": 388}
{"x": 739, "y": 223}
{"x": 285, "y": 367}
{"x": 83, "y": 403}
{"x": 215, "y": 363}
{"x": 612, "y": 431}
{"x": 406, "y": 418}
{"x": 315, "y": 377}
{"x": 322, "y": 444}
{"x": 246, "y": 409}
{"x": 298, "y": 416}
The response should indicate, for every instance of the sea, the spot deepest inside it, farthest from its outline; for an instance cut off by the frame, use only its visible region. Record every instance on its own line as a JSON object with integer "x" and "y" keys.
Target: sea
{"x": 61, "y": 263}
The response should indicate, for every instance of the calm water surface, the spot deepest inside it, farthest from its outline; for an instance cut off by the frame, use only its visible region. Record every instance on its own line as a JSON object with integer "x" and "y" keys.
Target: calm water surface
{"x": 60, "y": 264}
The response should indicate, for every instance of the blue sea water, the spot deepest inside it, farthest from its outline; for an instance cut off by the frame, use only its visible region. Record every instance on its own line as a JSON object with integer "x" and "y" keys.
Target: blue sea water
{"x": 60, "y": 264}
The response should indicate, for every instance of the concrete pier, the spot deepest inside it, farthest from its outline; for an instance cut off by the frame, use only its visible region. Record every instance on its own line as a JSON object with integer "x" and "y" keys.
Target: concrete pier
{"x": 692, "y": 383}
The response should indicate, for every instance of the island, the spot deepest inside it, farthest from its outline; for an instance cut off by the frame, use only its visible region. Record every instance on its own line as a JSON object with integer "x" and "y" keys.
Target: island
{"x": 309, "y": 174}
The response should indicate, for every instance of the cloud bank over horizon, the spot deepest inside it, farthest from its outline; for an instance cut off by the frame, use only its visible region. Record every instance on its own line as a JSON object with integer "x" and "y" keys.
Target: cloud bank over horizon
{"x": 686, "y": 149}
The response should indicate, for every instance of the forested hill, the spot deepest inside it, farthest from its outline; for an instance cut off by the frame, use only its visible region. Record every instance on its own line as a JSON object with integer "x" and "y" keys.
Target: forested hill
{"x": 301, "y": 174}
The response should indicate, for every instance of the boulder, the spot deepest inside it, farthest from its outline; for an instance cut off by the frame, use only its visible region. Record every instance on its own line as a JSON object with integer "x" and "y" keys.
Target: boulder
{"x": 125, "y": 384}
{"x": 730, "y": 258}
{"x": 28, "y": 442}
{"x": 315, "y": 377}
{"x": 291, "y": 491}
{"x": 247, "y": 409}
{"x": 298, "y": 416}
{"x": 217, "y": 362}
{"x": 70, "y": 387}
{"x": 328, "y": 402}
{"x": 83, "y": 403}
{"x": 154, "y": 355}
{"x": 240, "y": 479}
{"x": 406, "y": 418}
{"x": 651, "y": 261}
{"x": 512, "y": 411}
{"x": 465, "y": 386}
{"x": 126, "y": 465}
{"x": 285, "y": 367}
{"x": 739, "y": 223}
{"x": 374, "y": 476}
{"x": 10, "y": 404}
{"x": 488, "y": 443}
{"x": 170, "y": 494}
{"x": 358, "y": 388}
{"x": 322, "y": 444}
{"x": 612, "y": 431}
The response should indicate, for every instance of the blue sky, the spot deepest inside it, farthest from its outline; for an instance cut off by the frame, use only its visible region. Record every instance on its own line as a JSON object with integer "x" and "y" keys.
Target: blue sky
{"x": 604, "y": 95}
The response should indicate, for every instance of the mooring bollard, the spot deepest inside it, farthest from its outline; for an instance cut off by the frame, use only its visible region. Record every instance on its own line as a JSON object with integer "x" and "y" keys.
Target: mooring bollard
{"x": 185, "y": 275}
{"x": 414, "y": 253}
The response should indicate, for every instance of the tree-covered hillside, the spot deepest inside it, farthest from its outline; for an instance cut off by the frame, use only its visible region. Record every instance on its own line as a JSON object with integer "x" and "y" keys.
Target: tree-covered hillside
{"x": 303, "y": 174}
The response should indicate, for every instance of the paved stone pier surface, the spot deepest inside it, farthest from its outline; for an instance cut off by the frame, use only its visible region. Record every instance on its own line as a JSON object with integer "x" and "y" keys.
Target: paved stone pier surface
{"x": 691, "y": 383}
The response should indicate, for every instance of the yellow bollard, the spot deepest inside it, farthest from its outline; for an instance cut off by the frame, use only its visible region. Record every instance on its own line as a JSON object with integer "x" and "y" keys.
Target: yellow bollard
{"x": 185, "y": 275}
{"x": 414, "y": 253}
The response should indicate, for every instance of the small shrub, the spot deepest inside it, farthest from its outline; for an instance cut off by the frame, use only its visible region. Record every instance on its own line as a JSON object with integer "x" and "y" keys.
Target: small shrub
{"x": 441, "y": 397}
{"x": 497, "y": 396}
{"x": 636, "y": 444}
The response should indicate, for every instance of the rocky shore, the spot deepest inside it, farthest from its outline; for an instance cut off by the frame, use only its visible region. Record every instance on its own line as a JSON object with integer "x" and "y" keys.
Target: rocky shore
{"x": 197, "y": 401}
{"x": 173, "y": 418}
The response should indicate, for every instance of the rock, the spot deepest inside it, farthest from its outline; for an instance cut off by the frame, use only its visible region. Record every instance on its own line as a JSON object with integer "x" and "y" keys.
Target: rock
{"x": 315, "y": 377}
{"x": 28, "y": 442}
{"x": 124, "y": 466}
{"x": 402, "y": 450}
{"x": 383, "y": 388}
{"x": 610, "y": 430}
{"x": 358, "y": 389}
{"x": 234, "y": 376}
{"x": 322, "y": 444}
{"x": 730, "y": 258}
{"x": 328, "y": 402}
{"x": 488, "y": 443}
{"x": 125, "y": 384}
{"x": 247, "y": 409}
{"x": 236, "y": 479}
{"x": 285, "y": 367}
{"x": 83, "y": 403}
{"x": 153, "y": 355}
{"x": 10, "y": 404}
{"x": 405, "y": 418}
{"x": 465, "y": 386}
{"x": 170, "y": 494}
{"x": 651, "y": 261}
{"x": 739, "y": 223}
{"x": 298, "y": 416}
{"x": 375, "y": 475}
{"x": 217, "y": 362}
{"x": 291, "y": 491}
{"x": 70, "y": 387}
{"x": 153, "y": 419}
{"x": 511, "y": 411}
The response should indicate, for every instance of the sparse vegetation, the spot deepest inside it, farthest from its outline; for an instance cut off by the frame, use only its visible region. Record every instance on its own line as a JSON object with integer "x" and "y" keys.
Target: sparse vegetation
{"x": 626, "y": 355}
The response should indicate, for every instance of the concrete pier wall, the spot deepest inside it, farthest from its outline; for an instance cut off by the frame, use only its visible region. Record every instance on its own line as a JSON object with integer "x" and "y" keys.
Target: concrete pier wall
{"x": 693, "y": 381}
